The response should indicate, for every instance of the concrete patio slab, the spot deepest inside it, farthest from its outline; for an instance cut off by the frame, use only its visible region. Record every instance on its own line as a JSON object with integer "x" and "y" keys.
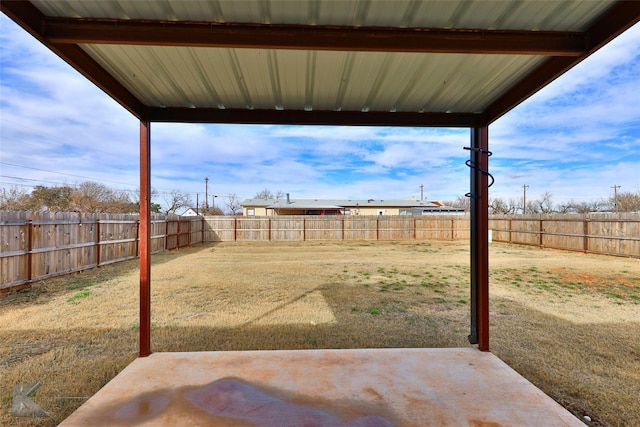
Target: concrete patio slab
{"x": 359, "y": 388}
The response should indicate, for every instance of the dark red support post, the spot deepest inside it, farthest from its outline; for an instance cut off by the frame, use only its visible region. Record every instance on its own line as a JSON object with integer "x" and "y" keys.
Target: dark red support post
{"x": 480, "y": 238}
{"x": 145, "y": 239}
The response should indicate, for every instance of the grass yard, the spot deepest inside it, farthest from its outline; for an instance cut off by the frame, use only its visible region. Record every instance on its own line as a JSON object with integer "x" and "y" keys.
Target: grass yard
{"x": 567, "y": 322}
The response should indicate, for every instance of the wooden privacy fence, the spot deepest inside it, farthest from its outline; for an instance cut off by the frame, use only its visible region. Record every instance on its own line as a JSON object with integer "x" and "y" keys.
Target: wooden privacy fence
{"x": 607, "y": 234}
{"x": 306, "y": 228}
{"x": 40, "y": 245}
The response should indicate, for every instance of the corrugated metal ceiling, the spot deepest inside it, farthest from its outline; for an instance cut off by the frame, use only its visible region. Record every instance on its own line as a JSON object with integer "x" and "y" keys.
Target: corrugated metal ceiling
{"x": 325, "y": 80}
{"x": 288, "y": 79}
{"x": 564, "y": 15}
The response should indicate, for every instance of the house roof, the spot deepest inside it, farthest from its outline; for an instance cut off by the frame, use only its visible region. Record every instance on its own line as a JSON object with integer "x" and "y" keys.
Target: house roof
{"x": 299, "y": 206}
{"x": 401, "y": 63}
{"x": 337, "y": 203}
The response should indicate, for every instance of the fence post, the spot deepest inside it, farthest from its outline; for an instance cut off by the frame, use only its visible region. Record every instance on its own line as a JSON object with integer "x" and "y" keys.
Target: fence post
{"x": 97, "y": 239}
{"x": 29, "y": 251}
{"x": 452, "y": 229}
{"x": 166, "y": 233}
{"x": 510, "y": 229}
{"x": 586, "y": 235}
{"x": 541, "y": 232}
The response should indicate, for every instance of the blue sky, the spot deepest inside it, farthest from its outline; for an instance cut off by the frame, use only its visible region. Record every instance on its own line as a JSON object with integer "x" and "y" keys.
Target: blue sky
{"x": 576, "y": 139}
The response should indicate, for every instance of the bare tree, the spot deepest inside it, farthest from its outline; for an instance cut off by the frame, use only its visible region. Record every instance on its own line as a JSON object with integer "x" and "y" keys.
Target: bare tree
{"x": 90, "y": 196}
{"x": 175, "y": 200}
{"x": 565, "y": 208}
{"x": 580, "y": 207}
{"x": 264, "y": 194}
{"x": 121, "y": 201}
{"x": 461, "y": 202}
{"x": 542, "y": 205}
{"x": 501, "y": 206}
{"x": 136, "y": 198}
{"x": 13, "y": 198}
{"x": 233, "y": 204}
{"x": 626, "y": 202}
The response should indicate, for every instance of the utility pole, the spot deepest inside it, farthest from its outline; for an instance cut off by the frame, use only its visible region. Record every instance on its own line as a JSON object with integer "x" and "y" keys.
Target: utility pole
{"x": 206, "y": 194}
{"x": 524, "y": 199}
{"x": 421, "y": 192}
{"x": 615, "y": 196}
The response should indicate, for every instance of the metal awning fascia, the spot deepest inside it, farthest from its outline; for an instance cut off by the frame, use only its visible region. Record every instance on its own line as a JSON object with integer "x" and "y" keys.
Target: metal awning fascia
{"x": 304, "y": 37}
{"x": 315, "y": 117}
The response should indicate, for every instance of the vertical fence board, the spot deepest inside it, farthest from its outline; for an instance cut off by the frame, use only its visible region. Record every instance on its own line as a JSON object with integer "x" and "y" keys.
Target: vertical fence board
{"x": 158, "y": 233}
{"x": 395, "y": 227}
{"x": 323, "y": 228}
{"x": 360, "y": 227}
{"x": 219, "y": 229}
{"x": 287, "y": 228}
{"x": 15, "y": 247}
{"x": 253, "y": 228}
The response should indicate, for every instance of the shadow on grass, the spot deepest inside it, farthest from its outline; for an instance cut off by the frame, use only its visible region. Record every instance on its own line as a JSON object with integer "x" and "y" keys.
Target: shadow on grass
{"x": 591, "y": 369}
{"x": 42, "y": 291}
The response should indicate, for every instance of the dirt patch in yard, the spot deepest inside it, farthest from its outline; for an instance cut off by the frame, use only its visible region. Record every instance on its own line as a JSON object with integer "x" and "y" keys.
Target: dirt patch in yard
{"x": 568, "y": 322}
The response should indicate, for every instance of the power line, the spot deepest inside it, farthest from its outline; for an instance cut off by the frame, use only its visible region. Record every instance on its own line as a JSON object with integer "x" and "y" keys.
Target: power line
{"x": 162, "y": 191}
{"x": 63, "y": 173}
{"x": 48, "y": 136}
{"x": 16, "y": 184}
{"x": 28, "y": 179}
{"x": 157, "y": 192}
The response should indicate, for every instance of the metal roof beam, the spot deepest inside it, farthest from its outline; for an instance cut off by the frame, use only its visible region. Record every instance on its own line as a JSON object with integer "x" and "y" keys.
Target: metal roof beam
{"x": 296, "y": 117}
{"x": 32, "y": 20}
{"x": 305, "y": 37}
{"x": 619, "y": 18}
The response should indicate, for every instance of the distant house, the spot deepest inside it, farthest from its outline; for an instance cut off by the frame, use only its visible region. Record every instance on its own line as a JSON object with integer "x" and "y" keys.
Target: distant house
{"x": 267, "y": 207}
{"x": 191, "y": 212}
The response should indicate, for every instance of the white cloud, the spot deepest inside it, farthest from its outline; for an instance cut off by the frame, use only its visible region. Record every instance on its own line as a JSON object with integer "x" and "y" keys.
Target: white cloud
{"x": 596, "y": 67}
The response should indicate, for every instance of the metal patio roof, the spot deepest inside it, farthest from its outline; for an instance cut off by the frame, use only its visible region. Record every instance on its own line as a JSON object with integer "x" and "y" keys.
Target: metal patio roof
{"x": 401, "y": 63}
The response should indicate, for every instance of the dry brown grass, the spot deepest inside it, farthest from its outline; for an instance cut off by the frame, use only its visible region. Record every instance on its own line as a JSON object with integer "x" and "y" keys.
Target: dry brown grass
{"x": 568, "y": 322}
